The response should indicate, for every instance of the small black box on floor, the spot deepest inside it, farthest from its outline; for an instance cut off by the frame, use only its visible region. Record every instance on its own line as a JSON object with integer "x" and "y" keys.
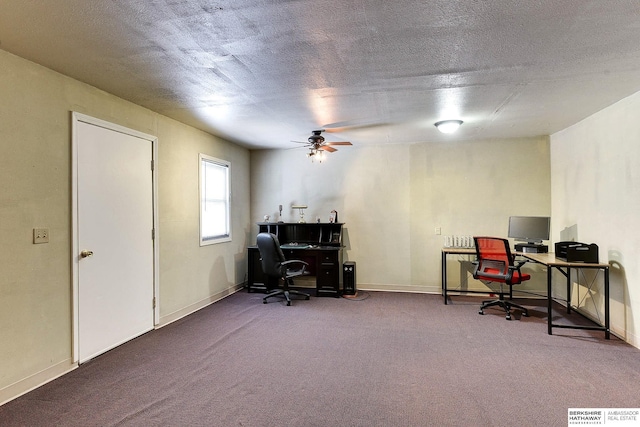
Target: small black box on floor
{"x": 349, "y": 278}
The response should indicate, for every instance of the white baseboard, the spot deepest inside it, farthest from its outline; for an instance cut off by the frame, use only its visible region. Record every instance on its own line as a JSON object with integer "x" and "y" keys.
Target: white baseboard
{"x": 36, "y": 380}
{"x": 179, "y": 314}
{"x": 400, "y": 288}
{"x": 630, "y": 338}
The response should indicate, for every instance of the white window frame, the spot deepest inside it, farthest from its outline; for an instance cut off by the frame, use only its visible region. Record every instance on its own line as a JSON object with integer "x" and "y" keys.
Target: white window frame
{"x": 204, "y": 160}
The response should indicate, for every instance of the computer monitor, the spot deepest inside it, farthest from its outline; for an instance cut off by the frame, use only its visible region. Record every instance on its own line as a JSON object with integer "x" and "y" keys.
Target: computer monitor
{"x": 530, "y": 229}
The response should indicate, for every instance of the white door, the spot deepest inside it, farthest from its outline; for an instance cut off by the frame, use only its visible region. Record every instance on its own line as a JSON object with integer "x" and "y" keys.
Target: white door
{"x": 115, "y": 259}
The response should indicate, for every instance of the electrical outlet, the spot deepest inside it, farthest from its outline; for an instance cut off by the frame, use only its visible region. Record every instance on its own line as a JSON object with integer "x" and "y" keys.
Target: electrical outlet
{"x": 40, "y": 235}
{"x": 438, "y": 231}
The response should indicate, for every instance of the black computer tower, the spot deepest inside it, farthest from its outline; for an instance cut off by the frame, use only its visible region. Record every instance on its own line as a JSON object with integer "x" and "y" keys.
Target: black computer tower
{"x": 349, "y": 278}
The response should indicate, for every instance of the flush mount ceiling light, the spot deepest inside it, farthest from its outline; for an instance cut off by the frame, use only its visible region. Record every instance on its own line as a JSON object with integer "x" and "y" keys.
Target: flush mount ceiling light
{"x": 448, "y": 126}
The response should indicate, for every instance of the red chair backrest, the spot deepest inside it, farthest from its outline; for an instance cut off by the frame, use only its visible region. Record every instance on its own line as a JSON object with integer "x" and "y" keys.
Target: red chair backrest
{"x": 494, "y": 260}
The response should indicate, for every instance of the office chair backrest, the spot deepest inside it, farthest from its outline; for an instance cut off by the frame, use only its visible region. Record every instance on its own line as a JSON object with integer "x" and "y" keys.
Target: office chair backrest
{"x": 271, "y": 254}
{"x": 494, "y": 259}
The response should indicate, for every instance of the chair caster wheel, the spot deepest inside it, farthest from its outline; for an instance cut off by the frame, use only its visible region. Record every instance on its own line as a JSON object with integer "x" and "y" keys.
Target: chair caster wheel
{"x": 508, "y": 317}
{"x": 480, "y": 312}
{"x": 264, "y": 302}
{"x": 307, "y": 298}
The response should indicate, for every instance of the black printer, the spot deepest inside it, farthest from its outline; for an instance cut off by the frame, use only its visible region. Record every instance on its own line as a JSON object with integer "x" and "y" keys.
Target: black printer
{"x": 577, "y": 252}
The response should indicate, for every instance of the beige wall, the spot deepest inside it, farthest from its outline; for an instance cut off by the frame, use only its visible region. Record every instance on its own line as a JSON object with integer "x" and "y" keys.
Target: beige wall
{"x": 393, "y": 197}
{"x": 595, "y": 169}
{"x": 35, "y": 173}
{"x": 192, "y": 276}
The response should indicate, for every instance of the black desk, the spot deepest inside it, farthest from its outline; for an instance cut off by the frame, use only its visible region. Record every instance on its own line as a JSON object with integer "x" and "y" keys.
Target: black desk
{"x": 325, "y": 263}
{"x": 318, "y": 244}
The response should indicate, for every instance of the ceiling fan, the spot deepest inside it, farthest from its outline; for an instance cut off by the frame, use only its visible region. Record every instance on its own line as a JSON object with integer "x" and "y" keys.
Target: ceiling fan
{"x": 317, "y": 144}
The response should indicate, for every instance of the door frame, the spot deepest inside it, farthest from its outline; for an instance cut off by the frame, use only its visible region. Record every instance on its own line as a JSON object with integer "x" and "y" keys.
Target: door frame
{"x": 77, "y": 118}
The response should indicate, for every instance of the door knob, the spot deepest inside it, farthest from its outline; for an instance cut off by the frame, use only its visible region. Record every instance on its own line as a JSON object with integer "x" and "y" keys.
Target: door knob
{"x": 86, "y": 253}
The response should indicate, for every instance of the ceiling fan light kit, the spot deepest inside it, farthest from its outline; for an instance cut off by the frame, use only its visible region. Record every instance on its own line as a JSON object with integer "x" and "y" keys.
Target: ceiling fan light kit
{"x": 448, "y": 126}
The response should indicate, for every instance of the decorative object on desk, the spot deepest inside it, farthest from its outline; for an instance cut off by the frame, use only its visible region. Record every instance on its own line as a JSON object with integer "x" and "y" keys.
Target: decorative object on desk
{"x": 333, "y": 216}
{"x": 458, "y": 242}
{"x": 280, "y": 214}
{"x": 301, "y": 209}
{"x": 266, "y": 218}
{"x": 496, "y": 264}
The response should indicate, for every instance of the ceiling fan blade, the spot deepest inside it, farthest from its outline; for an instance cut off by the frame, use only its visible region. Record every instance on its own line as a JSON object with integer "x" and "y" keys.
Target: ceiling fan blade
{"x": 338, "y": 143}
{"x": 327, "y": 148}
{"x": 352, "y": 125}
{"x": 301, "y": 142}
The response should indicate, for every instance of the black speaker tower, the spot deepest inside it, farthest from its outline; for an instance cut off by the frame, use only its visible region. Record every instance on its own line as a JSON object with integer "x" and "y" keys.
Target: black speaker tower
{"x": 349, "y": 278}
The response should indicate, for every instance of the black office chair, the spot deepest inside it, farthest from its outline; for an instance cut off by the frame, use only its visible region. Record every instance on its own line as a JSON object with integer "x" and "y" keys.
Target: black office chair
{"x": 276, "y": 267}
{"x": 495, "y": 263}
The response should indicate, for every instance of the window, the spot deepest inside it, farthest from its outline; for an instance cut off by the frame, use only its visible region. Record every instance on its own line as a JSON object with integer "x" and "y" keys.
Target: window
{"x": 215, "y": 223}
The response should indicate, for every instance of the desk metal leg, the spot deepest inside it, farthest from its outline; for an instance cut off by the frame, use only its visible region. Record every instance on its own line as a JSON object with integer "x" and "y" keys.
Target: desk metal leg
{"x": 549, "y": 300}
{"x": 559, "y": 265}
{"x": 607, "y": 333}
{"x": 569, "y": 290}
{"x": 444, "y": 277}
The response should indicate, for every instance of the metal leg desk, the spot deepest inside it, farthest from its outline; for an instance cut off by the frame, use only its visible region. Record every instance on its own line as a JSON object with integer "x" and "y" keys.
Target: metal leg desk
{"x": 551, "y": 262}
{"x": 459, "y": 251}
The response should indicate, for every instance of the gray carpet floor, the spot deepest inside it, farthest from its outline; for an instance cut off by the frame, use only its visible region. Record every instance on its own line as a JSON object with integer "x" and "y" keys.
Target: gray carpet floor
{"x": 382, "y": 359}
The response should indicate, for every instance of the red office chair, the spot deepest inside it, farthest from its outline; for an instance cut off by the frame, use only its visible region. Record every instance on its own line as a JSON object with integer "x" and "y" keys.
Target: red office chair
{"x": 495, "y": 263}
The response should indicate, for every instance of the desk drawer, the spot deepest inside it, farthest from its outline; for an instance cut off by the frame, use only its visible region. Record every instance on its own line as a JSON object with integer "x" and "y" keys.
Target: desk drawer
{"x": 328, "y": 280}
{"x": 328, "y": 258}
{"x": 327, "y": 275}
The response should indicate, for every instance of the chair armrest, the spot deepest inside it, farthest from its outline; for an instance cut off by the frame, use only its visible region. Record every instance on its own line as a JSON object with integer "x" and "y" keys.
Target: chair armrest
{"x": 295, "y": 267}
{"x": 518, "y": 264}
{"x": 294, "y": 261}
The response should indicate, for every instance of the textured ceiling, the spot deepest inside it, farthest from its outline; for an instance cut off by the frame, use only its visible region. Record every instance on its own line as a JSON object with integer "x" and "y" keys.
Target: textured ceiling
{"x": 263, "y": 73}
